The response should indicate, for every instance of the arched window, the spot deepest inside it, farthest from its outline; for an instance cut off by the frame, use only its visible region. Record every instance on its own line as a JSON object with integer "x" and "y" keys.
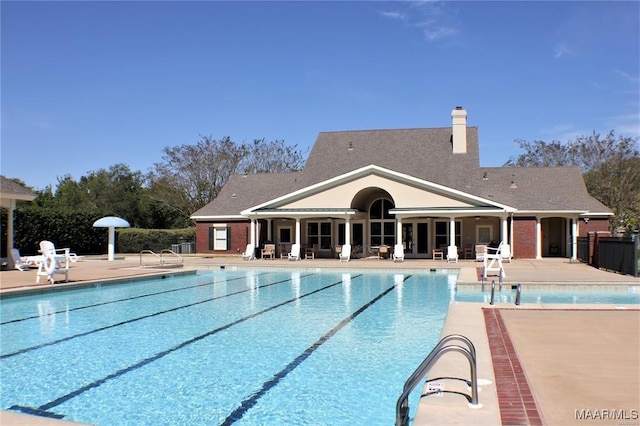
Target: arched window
{"x": 382, "y": 223}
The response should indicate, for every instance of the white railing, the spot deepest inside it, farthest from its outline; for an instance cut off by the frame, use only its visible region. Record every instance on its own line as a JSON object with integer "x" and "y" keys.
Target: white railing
{"x": 165, "y": 258}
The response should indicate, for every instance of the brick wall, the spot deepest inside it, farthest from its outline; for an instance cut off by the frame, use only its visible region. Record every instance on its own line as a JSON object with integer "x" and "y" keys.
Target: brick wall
{"x": 524, "y": 237}
{"x": 594, "y": 225}
{"x": 239, "y": 231}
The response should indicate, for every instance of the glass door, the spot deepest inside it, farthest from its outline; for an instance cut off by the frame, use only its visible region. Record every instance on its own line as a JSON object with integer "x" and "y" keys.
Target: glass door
{"x": 423, "y": 238}
{"x": 407, "y": 238}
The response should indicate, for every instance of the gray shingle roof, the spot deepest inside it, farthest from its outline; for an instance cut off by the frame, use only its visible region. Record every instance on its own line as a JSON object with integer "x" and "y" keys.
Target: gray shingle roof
{"x": 422, "y": 153}
{"x": 243, "y": 191}
{"x": 12, "y": 189}
{"x": 536, "y": 188}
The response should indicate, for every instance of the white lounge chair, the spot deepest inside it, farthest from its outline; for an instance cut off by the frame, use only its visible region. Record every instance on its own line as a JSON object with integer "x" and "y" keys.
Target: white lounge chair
{"x": 345, "y": 254}
{"x": 17, "y": 260}
{"x": 294, "y": 254}
{"x": 54, "y": 262}
{"x": 398, "y": 253}
{"x": 249, "y": 253}
{"x": 452, "y": 254}
{"x": 505, "y": 251}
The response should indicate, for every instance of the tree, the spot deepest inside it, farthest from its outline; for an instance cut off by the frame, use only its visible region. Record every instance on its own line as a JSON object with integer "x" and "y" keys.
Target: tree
{"x": 116, "y": 191}
{"x": 191, "y": 176}
{"x": 271, "y": 157}
{"x": 616, "y": 183}
{"x": 610, "y": 166}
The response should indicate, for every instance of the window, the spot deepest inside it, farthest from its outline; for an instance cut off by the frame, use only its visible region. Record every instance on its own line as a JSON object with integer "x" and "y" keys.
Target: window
{"x": 357, "y": 234}
{"x": 484, "y": 233}
{"x": 285, "y": 235}
{"x": 442, "y": 234}
{"x": 219, "y": 237}
{"x": 319, "y": 233}
{"x": 382, "y": 223}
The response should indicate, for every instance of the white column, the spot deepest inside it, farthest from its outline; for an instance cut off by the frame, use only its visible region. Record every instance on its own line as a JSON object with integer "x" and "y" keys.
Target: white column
{"x": 504, "y": 231}
{"x": 538, "y": 238}
{"x": 298, "y": 230}
{"x": 252, "y": 239}
{"x": 574, "y": 239}
{"x": 347, "y": 230}
{"x": 511, "y": 234}
{"x": 10, "y": 225}
{"x": 452, "y": 231}
{"x": 399, "y": 231}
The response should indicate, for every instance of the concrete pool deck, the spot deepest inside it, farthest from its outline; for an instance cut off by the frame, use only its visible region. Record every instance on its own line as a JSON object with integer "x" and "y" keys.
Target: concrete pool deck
{"x": 546, "y": 364}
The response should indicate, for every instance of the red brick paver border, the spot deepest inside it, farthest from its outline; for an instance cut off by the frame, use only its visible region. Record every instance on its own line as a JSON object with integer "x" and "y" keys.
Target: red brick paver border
{"x": 515, "y": 400}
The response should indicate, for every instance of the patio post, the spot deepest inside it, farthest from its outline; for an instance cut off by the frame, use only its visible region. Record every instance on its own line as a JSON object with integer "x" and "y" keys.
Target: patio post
{"x": 452, "y": 231}
{"x": 504, "y": 231}
{"x": 10, "y": 210}
{"x": 574, "y": 239}
{"x": 298, "y": 230}
{"x": 399, "y": 231}
{"x": 347, "y": 230}
{"x": 253, "y": 232}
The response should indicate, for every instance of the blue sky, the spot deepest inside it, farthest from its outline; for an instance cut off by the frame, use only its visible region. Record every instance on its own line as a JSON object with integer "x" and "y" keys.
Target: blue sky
{"x": 86, "y": 85}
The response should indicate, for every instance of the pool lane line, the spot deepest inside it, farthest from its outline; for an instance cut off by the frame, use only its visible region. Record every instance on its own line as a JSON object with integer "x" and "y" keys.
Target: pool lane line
{"x": 129, "y": 321}
{"x": 125, "y": 300}
{"x": 43, "y": 410}
{"x": 245, "y": 405}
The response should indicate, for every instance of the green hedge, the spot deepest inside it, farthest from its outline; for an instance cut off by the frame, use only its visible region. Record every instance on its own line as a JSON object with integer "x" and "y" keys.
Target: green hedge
{"x": 134, "y": 240}
{"x": 65, "y": 229}
{"x": 75, "y": 230}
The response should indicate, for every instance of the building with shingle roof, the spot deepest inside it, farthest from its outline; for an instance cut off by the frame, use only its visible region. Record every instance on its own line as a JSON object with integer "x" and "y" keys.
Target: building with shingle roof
{"x": 422, "y": 188}
{"x": 11, "y": 192}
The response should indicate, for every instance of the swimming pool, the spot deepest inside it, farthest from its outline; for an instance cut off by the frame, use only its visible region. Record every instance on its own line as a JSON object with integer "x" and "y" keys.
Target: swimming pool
{"x": 223, "y": 347}
{"x": 564, "y": 296}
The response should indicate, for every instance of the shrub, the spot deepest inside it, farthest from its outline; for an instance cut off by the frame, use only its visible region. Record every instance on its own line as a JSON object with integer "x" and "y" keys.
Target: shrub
{"x": 134, "y": 240}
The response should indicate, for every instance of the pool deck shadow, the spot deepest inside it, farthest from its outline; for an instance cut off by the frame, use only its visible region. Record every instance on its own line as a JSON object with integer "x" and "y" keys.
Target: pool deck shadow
{"x": 577, "y": 361}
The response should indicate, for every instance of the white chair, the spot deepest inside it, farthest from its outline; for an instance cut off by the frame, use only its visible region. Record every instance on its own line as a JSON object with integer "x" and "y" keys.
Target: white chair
{"x": 294, "y": 254}
{"x": 14, "y": 255}
{"x": 452, "y": 254}
{"x": 493, "y": 261}
{"x": 269, "y": 251}
{"x": 480, "y": 250}
{"x": 249, "y": 253}
{"x": 345, "y": 254}
{"x": 505, "y": 251}
{"x": 398, "y": 253}
{"x": 55, "y": 261}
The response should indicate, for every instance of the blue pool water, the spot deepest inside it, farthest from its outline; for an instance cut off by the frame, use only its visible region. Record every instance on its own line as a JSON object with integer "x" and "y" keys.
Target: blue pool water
{"x": 528, "y": 296}
{"x": 245, "y": 347}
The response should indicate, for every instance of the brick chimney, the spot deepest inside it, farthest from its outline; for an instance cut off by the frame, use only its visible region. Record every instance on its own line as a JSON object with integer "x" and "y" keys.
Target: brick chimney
{"x": 459, "y": 116}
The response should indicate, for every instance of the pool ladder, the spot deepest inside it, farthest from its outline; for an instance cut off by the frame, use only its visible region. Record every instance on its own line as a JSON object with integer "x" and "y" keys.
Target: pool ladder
{"x": 443, "y": 347}
{"x": 518, "y": 289}
{"x": 166, "y": 258}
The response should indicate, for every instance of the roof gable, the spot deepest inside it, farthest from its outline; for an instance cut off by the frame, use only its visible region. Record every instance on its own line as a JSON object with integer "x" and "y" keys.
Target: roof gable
{"x": 423, "y": 153}
{"x": 406, "y": 191}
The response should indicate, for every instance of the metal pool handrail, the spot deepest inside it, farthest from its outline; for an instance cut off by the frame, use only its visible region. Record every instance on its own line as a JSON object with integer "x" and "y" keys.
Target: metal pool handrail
{"x": 162, "y": 260}
{"x": 402, "y": 406}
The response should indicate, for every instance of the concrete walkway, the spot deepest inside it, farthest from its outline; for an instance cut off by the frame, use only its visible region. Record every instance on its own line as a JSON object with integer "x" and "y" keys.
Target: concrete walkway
{"x": 530, "y": 272}
{"x": 580, "y": 364}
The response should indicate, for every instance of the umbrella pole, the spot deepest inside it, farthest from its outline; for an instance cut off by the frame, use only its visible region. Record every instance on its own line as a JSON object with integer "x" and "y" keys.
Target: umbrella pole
{"x": 112, "y": 237}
